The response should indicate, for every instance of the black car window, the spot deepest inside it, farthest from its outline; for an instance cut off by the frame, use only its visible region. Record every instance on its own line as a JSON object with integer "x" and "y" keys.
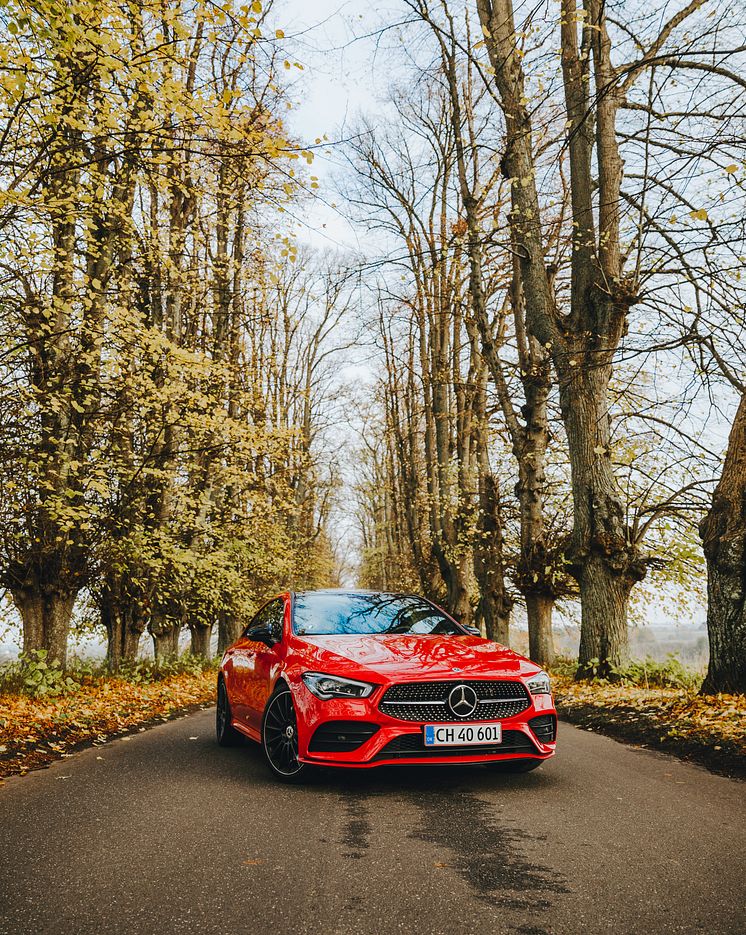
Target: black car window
{"x": 271, "y": 615}
{"x": 256, "y": 621}
{"x": 275, "y": 619}
{"x": 339, "y": 613}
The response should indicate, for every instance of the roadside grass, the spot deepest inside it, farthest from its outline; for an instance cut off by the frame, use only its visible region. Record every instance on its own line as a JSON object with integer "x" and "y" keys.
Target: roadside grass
{"x": 45, "y": 717}
{"x": 657, "y": 705}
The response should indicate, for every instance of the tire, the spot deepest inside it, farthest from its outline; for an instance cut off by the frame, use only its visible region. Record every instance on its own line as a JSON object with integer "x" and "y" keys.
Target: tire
{"x": 226, "y": 734}
{"x": 280, "y": 737}
{"x": 518, "y": 766}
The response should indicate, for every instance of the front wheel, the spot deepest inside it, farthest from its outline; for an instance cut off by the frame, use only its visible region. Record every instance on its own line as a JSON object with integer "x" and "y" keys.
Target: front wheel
{"x": 280, "y": 737}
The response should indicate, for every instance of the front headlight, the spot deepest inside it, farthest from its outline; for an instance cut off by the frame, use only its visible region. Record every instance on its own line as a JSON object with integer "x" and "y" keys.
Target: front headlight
{"x": 539, "y": 684}
{"x": 334, "y": 686}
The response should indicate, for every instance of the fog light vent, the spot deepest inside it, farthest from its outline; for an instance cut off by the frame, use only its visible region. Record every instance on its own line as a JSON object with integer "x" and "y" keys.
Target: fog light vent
{"x": 544, "y": 727}
{"x": 341, "y": 736}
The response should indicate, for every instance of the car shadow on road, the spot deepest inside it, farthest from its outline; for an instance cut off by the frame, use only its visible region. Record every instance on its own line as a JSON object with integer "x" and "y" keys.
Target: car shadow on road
{"x": 246, "y": 761}
{"x": 451, "y": 808}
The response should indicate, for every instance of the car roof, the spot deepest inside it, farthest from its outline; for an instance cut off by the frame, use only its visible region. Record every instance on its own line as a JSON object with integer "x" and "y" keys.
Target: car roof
{"x": 353, "y": 591}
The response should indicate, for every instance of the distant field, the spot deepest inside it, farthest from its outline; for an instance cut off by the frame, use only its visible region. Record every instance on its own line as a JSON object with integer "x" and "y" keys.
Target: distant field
{"x": 686, "y": 642}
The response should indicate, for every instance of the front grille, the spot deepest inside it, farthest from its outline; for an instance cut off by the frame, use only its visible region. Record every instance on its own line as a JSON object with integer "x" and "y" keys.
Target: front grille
{"x": 545, "y": 727}
{"x": 341, "y": 736}
{"x": 426, "y": 701}
{"x": 412, "y": 745}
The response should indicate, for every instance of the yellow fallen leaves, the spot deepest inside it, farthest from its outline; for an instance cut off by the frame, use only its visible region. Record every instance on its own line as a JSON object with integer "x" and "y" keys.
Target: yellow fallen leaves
{"x": 712, "y": 720}
{"x": 35, "y": 731}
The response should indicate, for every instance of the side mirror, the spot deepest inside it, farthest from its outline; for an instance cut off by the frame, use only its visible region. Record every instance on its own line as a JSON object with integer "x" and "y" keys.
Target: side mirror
{"x": 263, "y": 635}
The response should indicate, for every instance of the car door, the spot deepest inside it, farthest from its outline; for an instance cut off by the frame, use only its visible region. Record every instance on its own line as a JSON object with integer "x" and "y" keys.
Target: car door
{"x": 242, "y": 663}
{"x": 265, "y": 661}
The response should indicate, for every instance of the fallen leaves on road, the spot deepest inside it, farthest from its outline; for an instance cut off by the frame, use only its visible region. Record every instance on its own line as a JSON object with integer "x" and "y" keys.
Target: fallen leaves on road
{"x": 709, "y": 728}
{"x": 36, "y": 731}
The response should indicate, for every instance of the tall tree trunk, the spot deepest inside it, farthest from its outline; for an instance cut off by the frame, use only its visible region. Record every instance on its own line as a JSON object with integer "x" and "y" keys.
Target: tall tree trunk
{"x": 229, "y": 629}
{"x": 723, "y": 533}
{"x": 201, "y": 634}
{"x": 124, "y": 630}
{"x": 46, "y": 620}
{"x": 529, "y": 439}
{"x": 603, "y": 558}
{"x": 165, "y": 634}
{"x": 495, "y": 604}
{"x": 540, "y": 640}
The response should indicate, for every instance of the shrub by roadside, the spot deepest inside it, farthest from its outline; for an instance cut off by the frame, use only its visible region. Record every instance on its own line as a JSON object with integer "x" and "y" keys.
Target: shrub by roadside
{"x": 51, "y": 715}
{"x": 656, "y": 705}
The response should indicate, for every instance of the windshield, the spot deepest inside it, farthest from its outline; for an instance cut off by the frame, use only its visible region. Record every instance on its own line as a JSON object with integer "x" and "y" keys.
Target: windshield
{"x": 318, "y": 614}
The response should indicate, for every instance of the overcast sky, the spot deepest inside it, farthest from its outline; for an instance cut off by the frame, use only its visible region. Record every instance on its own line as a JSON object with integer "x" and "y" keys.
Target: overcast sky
{"x": 342, "y": 76}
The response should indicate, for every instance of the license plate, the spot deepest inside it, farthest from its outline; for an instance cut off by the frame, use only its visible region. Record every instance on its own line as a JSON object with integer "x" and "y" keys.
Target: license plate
{"x": 462, "y": 735}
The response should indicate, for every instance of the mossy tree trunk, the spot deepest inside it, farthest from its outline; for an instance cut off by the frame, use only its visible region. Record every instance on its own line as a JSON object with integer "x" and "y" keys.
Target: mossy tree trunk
{"x": 723, "y": 533}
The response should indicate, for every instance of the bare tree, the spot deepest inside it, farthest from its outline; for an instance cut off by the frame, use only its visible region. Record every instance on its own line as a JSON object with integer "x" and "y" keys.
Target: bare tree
{"x": 527, "y": 423}
{"x": 584, "y": 337}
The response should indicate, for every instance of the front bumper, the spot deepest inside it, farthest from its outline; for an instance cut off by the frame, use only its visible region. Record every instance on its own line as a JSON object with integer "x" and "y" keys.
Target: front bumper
{"x": 394, "y": 741}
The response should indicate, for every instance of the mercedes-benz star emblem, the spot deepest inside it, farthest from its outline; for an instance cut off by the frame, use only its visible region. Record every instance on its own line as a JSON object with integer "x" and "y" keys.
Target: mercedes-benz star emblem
{"x": 462, "y": 700}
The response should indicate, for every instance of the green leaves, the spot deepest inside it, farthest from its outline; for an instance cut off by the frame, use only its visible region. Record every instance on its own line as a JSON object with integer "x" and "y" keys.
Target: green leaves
{"x": 33, "y": 675}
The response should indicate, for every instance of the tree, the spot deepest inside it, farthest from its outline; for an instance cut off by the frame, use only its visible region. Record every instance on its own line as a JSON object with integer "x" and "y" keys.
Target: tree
{"x": 723, "y": 532}
{"x": 434, "y": 368}
{"x": 527, "y": 424}
{"x": 74, "y": 192}
{"x": 584, "y": 336}
{"x": 141, "y": 156}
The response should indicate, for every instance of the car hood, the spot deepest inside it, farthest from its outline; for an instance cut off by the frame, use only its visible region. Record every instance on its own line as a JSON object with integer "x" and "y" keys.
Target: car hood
{"x": 414, "y": 657}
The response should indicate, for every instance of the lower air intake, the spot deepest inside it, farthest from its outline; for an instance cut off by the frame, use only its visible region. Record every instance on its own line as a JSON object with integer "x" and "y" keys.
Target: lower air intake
{"x": 412, "y": 745}
{"x": 341, "y": 736}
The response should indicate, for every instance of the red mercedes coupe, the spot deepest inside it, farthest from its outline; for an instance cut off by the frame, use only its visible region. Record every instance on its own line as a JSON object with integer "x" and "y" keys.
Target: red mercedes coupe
{"x": 363, "y": 678}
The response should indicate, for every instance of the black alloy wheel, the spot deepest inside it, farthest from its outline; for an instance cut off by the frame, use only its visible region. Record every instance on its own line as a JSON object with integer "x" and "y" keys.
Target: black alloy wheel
{"x": 226, "y": 733}
{"x": 280, "y": 737}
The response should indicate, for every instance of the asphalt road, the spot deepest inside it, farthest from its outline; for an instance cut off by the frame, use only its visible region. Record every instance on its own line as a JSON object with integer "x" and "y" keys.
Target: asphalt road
{"x": 166, "y": 833}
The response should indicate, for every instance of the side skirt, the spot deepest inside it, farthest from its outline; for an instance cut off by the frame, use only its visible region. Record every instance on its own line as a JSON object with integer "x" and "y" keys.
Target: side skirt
{"x": 246, "y": 731}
